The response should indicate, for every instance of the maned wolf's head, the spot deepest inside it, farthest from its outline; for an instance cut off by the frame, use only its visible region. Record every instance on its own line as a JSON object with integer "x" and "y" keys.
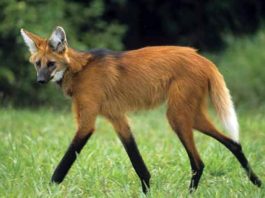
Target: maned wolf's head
{"x": 48, "y": 56}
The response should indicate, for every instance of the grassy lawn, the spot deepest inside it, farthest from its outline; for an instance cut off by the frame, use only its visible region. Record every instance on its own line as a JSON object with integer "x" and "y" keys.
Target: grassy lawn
{"x": 33, "y": 142}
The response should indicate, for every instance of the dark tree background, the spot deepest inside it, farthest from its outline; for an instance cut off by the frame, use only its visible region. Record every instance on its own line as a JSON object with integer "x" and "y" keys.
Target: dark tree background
{"x": 198, "y": 23}
{"x": 114, "y": 24}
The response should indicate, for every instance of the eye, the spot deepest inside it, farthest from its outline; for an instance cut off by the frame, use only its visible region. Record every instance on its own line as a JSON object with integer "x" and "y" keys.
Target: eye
{"x": 38, "y": 63}
{"x": 50, "y": 64}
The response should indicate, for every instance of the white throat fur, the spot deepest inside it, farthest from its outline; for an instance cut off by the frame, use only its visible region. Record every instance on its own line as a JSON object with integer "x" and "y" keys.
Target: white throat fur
{"x": 58, "y": 76}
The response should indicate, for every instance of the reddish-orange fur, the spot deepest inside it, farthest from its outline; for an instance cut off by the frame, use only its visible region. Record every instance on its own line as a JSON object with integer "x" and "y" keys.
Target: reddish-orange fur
{"x": 133, "y": 80}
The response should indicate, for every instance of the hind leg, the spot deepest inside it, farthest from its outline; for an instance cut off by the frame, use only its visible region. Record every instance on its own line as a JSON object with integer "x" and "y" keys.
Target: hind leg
{"x": 203, "y": 124}
{"x": 182, "y": 125}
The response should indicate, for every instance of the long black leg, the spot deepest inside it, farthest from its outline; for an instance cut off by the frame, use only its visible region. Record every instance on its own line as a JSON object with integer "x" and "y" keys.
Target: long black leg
{"x": 182, "y": 127}
{"x": 197, "y": 166}
{"x": 122, "y": 128}
{"x": 69, "y": 158}
{"x": 236, "y": 149}
{"x": 137, "y": 161}
{"x": 206, "y": 127}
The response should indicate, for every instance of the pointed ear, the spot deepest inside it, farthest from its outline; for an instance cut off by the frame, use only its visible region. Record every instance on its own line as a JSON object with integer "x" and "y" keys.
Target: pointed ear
{"x": 32, "y": 41}
{"x": 58, "y": 41}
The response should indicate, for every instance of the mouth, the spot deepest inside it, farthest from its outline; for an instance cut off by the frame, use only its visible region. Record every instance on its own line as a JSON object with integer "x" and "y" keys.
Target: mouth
{"x": 42, "y": 82}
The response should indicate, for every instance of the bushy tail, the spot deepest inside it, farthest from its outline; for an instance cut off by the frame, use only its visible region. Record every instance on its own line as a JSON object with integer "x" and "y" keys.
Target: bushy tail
{"x": 223, "y": 104}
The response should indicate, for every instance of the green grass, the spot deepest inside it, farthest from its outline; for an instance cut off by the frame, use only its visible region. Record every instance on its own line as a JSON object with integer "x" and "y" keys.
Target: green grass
{"x": 33, "y": 142}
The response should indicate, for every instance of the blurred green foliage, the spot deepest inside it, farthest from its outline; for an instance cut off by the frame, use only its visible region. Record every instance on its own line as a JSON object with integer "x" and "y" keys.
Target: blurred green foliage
{"x": 242, "y": 65}
{"x": 85, "y": 29}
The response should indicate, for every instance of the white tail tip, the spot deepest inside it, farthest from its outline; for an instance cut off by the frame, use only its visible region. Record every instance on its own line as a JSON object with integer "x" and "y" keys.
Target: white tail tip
{"x": 231, "y": 124}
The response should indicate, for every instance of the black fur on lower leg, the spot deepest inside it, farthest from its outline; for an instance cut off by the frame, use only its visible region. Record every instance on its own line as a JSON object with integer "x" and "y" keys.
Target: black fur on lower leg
{"x": 236, "y": 149}
{"x": 196, "y": 175}
{"x": 137, "y": 162}
{"x": 145, "y": 185}
{"x": 69, "y": 158}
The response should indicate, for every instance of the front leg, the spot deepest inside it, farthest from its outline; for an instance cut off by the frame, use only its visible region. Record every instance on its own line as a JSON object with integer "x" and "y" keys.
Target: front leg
{"x": 85, "y": 122}
{"x": 122, "y": 128}
{"x": 69, "y": 157}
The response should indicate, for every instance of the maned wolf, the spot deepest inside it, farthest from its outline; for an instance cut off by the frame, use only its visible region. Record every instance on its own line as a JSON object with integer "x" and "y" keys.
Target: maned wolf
{"x": 107, "y": 83}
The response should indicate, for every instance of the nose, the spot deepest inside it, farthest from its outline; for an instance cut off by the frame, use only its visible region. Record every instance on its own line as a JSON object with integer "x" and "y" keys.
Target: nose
{"x": 41, "y": 80}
